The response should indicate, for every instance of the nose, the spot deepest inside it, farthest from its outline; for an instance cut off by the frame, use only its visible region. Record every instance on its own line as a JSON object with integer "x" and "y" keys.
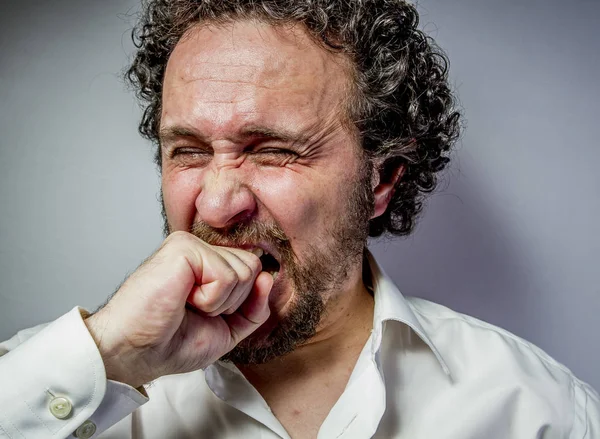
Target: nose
{"x": 225, "y": 201}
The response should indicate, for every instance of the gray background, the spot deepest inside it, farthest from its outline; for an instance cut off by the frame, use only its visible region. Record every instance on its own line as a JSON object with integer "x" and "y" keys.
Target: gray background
{"x": 511, "y": 238}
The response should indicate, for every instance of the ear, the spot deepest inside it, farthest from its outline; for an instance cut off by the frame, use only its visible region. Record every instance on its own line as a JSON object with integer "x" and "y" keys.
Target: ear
{"x": 385, "y": 189}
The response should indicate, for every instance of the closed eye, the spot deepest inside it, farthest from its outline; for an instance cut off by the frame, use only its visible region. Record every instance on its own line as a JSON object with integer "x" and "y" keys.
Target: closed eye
{"x": 189, "y": 150}
{"x": 190, "y": 156}
{"x": 266, "y": 156}
{"x": 270, "y": 156}
{"x": 273, "y": 151}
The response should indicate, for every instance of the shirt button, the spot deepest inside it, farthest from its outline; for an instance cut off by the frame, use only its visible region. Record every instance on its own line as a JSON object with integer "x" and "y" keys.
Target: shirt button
{"x": 86, "y": 430}
{"x": 60, "y": 407}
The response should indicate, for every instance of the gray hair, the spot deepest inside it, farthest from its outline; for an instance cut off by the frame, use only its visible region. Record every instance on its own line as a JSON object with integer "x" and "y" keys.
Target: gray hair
{"x": 403, "y": 107}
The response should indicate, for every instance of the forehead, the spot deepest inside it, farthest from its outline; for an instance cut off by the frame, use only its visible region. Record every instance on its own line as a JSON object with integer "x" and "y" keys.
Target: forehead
{"x": 249, "y": 72}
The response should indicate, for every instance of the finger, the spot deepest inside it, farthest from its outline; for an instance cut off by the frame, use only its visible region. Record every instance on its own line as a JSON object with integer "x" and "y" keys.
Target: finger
{"x": 218, "y": 280}
{"x": 247, "y": 269}
{"x": 250, "y": 257}
{"x": 253, "y": 312}
{"x": 188, "y": 268}
{"x": 252, "y": 260}
{"x": 259, "y": 310}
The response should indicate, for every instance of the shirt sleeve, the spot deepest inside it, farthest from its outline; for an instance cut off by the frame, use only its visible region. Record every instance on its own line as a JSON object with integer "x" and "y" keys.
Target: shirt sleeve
{"x": 586, "y": 422}
{"x": 53, "y": 383}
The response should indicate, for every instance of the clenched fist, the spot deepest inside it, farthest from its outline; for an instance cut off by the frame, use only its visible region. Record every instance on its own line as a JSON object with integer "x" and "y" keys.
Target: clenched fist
{"x": 147, "y": 331}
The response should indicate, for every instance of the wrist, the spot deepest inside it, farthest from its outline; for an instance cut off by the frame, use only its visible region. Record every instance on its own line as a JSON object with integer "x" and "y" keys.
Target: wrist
{"x": 113, "y": 352}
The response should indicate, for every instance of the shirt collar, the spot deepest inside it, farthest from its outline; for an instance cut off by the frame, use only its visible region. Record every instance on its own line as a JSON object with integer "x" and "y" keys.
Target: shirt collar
{"x": 390, "y": 304}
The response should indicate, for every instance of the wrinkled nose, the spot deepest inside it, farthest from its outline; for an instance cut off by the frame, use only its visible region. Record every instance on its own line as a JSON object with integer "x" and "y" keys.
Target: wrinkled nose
{"x": 224, "y": 201}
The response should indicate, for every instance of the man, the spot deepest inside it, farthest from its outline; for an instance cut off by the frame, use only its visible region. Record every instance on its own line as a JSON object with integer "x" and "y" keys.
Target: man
{"x": 287, "y": 133}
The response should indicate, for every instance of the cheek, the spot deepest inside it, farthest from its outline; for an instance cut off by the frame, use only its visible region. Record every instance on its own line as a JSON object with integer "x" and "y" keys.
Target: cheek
{"x": 302, "y": 206}
{"x": 288, "y": 199}
{"x": 180, "y": 191}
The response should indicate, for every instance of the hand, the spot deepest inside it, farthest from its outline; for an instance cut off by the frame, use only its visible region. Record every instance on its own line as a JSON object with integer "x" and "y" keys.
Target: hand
{"x": 145, "y": 330}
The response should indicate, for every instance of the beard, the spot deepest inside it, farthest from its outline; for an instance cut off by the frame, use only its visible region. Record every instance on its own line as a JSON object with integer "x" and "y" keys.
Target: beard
{"x": 322, "y": 269}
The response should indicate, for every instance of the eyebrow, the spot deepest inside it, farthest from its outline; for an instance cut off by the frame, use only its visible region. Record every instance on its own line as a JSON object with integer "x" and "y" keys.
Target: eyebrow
{"x": 275, "y": 134}
{"x": 170, "y": 134}
{"x": 173, "y": 133}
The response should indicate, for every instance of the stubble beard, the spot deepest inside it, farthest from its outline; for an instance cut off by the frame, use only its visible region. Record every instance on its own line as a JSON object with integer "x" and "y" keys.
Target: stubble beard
{"x": 323, "y": 271}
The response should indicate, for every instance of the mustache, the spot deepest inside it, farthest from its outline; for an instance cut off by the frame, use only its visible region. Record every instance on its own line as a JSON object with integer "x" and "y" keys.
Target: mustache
{"x": 244, "y": 234}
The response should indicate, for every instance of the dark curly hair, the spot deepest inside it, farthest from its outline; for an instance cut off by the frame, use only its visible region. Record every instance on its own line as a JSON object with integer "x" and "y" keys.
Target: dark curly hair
{"x": 403, "y": 107}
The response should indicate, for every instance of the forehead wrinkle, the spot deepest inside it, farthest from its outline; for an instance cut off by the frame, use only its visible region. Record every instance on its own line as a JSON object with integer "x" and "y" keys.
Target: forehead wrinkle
{"x": 308, "y": 86}
{"x": 295, "y": 37}
{"x": 246, "y": 75}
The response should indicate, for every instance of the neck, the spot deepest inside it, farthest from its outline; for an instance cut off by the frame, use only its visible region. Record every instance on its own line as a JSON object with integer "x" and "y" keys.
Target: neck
{"x": 337, "y": 344}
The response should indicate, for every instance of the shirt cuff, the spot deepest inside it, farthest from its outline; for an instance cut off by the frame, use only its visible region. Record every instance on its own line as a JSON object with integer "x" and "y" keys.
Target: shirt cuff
{"x": 60, "y": 361}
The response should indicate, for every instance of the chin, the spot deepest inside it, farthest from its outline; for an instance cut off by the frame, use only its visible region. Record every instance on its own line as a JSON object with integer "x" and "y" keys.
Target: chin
{"x": 295, "y": 316}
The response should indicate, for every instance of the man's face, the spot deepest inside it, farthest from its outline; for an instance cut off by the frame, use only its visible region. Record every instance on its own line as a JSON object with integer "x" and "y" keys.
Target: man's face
{"x": 255, "y": 152}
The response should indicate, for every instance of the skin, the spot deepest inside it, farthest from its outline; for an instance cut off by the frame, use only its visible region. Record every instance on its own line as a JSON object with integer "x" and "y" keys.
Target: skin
{"x": 219, "y": 91}
{"x": 252, "y": 129}
{"x": 221, "y": 83}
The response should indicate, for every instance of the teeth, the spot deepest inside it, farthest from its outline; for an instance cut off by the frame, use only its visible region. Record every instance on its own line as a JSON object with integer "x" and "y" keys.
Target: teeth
{"x": 274, "y": 274}
{"x": 257, "y": 251}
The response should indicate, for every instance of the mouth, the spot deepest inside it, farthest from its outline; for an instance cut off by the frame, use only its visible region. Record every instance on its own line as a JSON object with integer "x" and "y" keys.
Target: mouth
{"x": 270, "y": 264}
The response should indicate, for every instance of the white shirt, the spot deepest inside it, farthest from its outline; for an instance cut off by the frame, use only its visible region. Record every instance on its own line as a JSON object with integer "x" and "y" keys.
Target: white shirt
{"x": 425, "y": 372}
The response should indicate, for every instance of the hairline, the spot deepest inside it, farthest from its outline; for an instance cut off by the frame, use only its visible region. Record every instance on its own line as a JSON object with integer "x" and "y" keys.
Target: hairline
{"x": 350, "y": 93}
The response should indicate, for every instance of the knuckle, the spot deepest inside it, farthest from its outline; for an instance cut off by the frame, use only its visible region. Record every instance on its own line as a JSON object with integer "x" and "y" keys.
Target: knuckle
{"x": 254, "y": 264}
{"x": 209, "y": 302}
{"x": 173, "y": 236}
{"x": 178, "y": 237}
{"x": 245, "y": 274}
{"x": 229, "y": 278}
{"x": 229, "y": 310}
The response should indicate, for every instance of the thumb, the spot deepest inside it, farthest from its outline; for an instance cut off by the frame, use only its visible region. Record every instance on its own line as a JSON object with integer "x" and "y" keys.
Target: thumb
{"x": 253, "y": 312}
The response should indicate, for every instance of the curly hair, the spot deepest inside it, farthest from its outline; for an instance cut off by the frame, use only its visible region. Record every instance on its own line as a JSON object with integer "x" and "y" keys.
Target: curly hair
{"x": 402, "y": 106}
